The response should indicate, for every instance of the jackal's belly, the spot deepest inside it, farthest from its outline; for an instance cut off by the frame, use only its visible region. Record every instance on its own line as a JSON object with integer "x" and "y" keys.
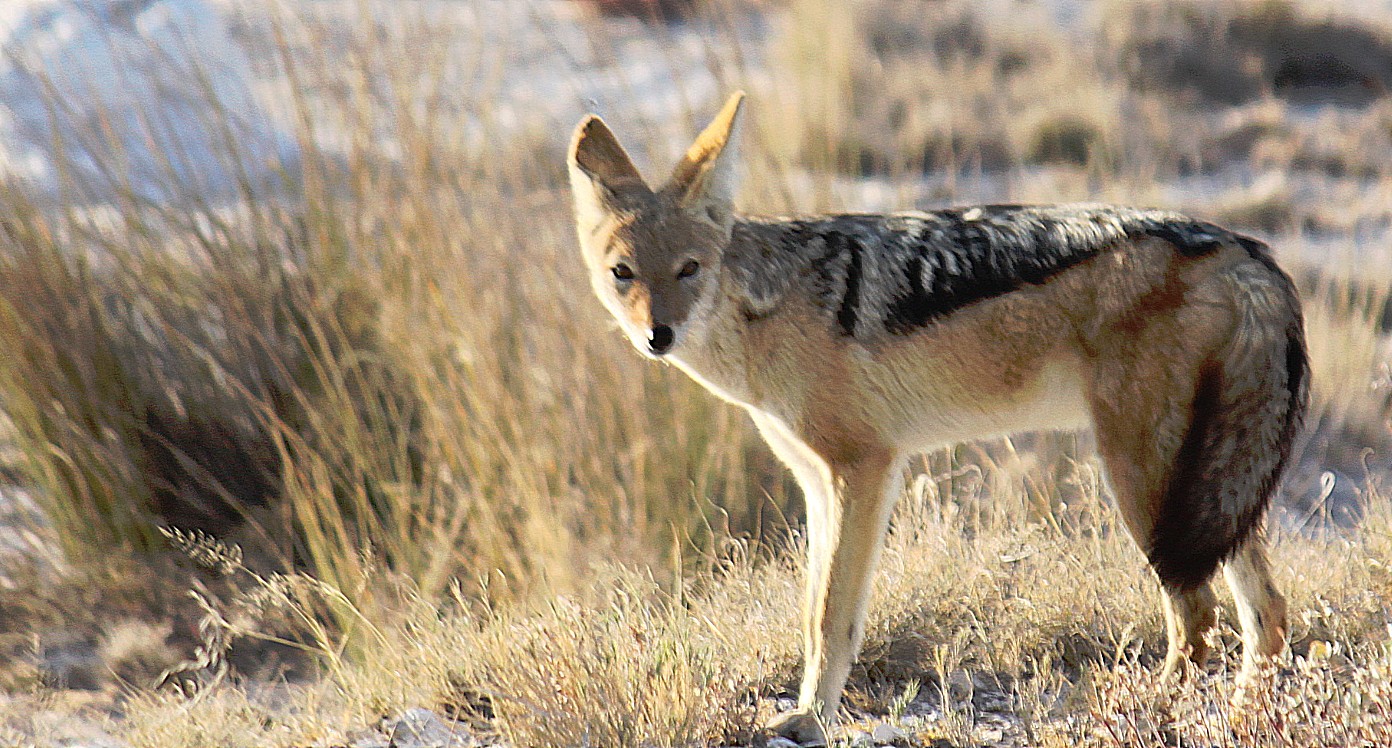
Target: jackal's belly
{"x": 937, "y": 402}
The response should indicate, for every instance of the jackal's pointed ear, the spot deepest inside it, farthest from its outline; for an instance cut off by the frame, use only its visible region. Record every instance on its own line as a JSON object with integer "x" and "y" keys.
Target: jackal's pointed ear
{"x": 705, "y": 178}
{"x": 602, "y": 176}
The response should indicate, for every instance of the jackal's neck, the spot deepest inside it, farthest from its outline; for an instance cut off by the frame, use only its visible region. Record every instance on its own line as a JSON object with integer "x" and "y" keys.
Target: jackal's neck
{"x": 714, "y": 349}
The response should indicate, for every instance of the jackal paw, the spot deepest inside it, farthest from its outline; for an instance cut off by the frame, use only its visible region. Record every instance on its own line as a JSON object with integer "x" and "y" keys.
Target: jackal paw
{"x": 1182, "y": 664}
{"x": 801, "y": 726}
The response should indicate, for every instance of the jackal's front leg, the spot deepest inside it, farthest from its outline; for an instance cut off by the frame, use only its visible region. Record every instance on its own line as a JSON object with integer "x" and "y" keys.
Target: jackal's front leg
{"x": 848, "y": 508}
{"x": 844, "y": 540}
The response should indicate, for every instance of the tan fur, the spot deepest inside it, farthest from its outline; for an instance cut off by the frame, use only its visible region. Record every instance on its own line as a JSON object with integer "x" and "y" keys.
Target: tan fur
{"x": 1116, "y": 342}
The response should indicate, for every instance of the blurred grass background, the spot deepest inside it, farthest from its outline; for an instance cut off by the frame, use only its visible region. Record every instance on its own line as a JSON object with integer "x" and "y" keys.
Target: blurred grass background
{"x": 376, "y": 387}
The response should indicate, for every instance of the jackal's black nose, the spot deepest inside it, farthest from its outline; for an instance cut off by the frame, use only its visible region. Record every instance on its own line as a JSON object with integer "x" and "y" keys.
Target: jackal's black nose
{"x": 660, "y": 339}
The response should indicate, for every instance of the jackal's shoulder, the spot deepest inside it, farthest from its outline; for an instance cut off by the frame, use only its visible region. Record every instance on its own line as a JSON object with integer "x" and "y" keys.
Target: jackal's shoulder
{"x": 892, "y": 273}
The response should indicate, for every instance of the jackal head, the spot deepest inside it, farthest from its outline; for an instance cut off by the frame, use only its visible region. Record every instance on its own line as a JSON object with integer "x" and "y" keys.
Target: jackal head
{"x": 654, "y": 254}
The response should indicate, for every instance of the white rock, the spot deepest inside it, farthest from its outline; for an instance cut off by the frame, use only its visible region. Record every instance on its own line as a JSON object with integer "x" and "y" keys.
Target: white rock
{"x": 888, "y": 735}
{"x": 421, "y": 728}
{"x": 781, "y": 743}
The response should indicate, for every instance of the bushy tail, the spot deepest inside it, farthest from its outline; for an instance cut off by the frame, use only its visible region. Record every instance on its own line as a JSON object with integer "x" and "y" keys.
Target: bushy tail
{"x": 1247, "y": 412}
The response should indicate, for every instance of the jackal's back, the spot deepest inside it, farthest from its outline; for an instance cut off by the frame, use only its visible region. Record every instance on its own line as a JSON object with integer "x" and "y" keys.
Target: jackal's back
{"x": 888, "y": 275}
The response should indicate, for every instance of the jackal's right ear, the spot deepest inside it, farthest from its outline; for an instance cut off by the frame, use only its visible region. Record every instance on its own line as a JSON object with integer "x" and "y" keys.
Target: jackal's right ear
{"x": 601, "y": 173}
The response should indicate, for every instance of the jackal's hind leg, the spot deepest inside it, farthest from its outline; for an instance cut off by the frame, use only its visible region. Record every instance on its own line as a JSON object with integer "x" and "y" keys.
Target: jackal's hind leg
{"x": 1189, "y": 614}
{"x": 1260, "y": 607}
{"x": 1139, "y": 465}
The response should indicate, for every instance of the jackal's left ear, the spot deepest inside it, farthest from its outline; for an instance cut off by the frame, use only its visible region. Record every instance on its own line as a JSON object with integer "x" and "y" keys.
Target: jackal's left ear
{"x": 705, "y": 179}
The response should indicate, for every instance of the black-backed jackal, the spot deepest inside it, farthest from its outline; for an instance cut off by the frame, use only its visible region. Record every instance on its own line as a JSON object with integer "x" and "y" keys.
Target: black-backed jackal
{"x": 855, "y": 340}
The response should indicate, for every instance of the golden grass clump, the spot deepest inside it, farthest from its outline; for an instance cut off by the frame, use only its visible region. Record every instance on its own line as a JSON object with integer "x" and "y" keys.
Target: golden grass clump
{"x": 891, "y": 87}
{"x": 380, "y": 366}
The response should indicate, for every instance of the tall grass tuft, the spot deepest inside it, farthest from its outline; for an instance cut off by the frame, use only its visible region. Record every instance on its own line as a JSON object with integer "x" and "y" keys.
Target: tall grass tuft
{"x": 385, "y": 365}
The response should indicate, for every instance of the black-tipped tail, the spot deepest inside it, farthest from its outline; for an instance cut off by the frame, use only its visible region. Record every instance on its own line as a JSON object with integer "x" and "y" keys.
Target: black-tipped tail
{"x": 1247, "y": 411}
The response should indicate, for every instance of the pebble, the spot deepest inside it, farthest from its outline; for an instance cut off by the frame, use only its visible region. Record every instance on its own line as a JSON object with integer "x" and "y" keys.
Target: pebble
{"x": 368, "y": 739}
{"x": 860, "y": 739}
{"x": 888, "y": 735}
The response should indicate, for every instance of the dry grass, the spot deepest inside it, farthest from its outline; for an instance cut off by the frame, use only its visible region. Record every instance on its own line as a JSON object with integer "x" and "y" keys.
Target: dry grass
{"x": 1128, "y": 95}
{"x": 915, "y": 88}
{"x": 264, "y": 369}
{"x": 1056, "y": 621}
{"x": 1234, "y": 52}
{"x": 440, "y": 479}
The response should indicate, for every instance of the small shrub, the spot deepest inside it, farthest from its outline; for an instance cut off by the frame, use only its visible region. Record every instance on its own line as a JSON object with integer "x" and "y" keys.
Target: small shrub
{"x": 1063, "y": 140}
{"x": 911, "y": 87}
{"x": 1267, "y": 207}
{"x": 1230, "y": 53}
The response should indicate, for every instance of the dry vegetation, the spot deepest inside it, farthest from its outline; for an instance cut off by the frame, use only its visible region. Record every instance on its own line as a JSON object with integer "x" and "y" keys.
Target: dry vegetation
{"x": 410, "y": 463}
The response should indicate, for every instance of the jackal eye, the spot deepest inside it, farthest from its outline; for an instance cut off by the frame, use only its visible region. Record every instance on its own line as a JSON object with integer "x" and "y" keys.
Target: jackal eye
{"x": 691, "y": 268}
{"x": 623, "y": 272}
